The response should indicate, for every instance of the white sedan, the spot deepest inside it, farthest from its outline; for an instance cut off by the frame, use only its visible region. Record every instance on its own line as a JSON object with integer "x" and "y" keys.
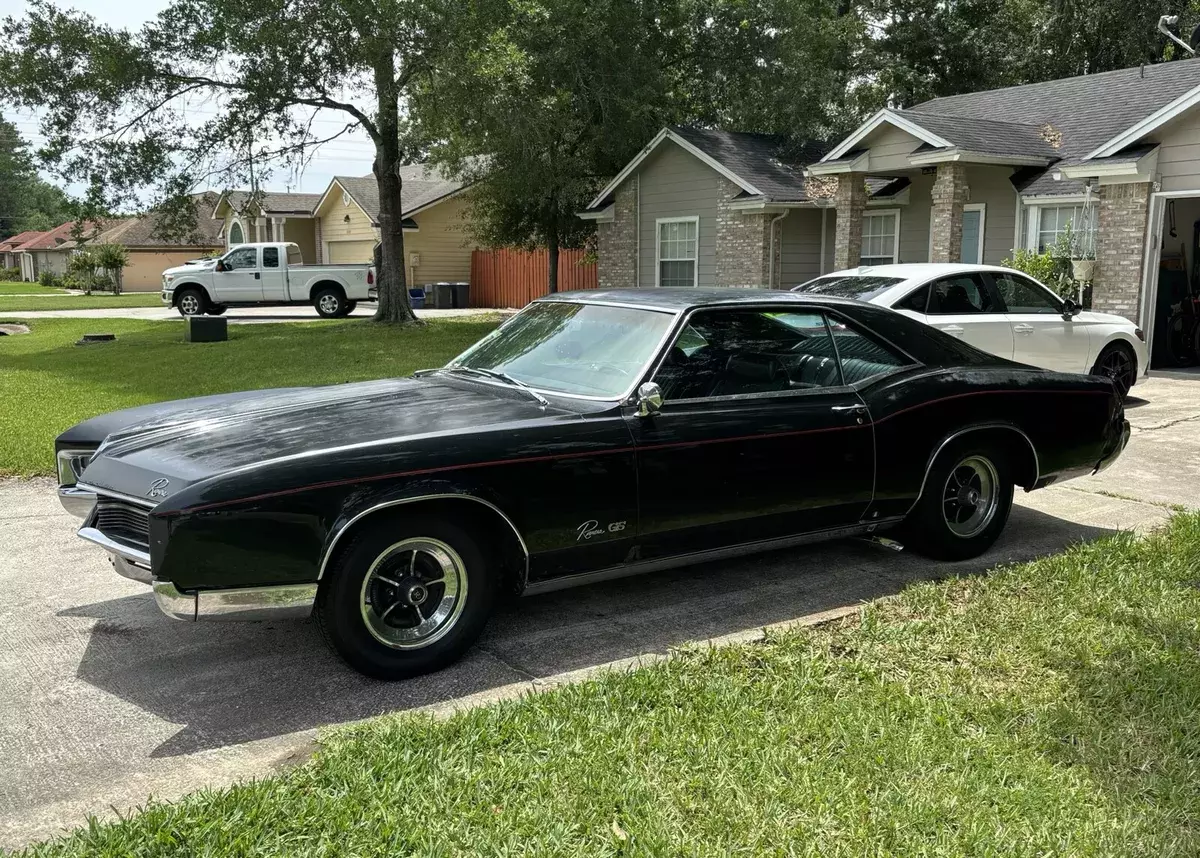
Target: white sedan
{"x": 1001, "y": 311}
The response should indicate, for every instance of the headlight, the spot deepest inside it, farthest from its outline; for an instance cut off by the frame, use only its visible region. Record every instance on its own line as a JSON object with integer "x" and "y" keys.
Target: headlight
{"x": 71, "y": 464}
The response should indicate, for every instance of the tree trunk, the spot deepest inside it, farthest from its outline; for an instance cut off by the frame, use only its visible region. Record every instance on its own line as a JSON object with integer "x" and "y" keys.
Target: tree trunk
{"x": 552, "y": 261}
{"x": 390, "y": 279}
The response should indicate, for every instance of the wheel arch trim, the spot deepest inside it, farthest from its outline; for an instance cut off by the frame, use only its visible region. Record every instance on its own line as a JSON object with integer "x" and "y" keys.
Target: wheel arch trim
{"x": 322, "y": 285}
{"x": 979, "y": 427}
{"x": 384, "y": 505}
{"x": 179, "y": 288}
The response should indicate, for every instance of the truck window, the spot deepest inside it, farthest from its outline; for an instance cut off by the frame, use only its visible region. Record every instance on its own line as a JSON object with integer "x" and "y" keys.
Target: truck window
{"x": 294, "y": 257}
{"x": 270, "y": 257}
{"x": 243, "y": 257}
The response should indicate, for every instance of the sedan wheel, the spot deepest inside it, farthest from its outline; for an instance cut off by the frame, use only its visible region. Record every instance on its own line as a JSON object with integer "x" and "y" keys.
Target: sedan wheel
{"x": 406, "y": 596}
{"x": 1118, "y": 363}
{"x": 970, "y": 498}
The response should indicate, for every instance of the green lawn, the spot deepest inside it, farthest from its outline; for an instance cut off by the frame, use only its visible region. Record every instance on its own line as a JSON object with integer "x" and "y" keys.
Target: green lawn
{"x": 62, "y": 301}
{"x": 10, "y": 287}
{"x": 49, "y": 383}
{"x": 1048, "y": 709}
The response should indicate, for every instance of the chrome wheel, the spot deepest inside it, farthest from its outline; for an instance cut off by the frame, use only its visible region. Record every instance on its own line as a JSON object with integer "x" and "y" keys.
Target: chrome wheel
{"x": 414, "y": 593}
{"x": 1117, "y": 365}
{"x": 328, "y": 304}
{"x": 971, "y": 496}
{"x": 189, "y": 304}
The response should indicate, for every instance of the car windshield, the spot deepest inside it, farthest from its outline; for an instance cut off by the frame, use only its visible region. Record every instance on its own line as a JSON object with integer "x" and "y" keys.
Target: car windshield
{"x": 861, "y": 286}
{"x": 580, "y": 349}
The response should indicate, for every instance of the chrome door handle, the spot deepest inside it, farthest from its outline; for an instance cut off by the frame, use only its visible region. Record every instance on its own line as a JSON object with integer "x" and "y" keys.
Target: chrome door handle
{"x": 952, "y": 329}
{"x": 1023, "y": 329}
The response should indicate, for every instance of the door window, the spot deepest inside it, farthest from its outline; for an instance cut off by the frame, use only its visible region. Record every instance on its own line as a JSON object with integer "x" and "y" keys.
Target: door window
{"x": 243, "y": 257}
{"x": 1025, "y": 296}
{"x": 270, "y": 257}
{"x": 963, "y": 293}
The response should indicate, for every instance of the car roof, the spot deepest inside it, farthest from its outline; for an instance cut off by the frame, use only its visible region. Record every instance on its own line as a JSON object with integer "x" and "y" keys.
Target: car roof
{"x": 676, "y": 299}
{"x": 915, "y": 271}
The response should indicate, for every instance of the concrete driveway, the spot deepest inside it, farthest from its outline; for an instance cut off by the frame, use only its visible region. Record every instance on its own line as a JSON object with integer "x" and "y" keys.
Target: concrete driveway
{"x": 106, "y": 702}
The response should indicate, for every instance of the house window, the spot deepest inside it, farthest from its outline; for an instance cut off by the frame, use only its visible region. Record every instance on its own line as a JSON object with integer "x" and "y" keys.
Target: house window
{"x": 236, "y": 236}
{"x": 1045, "y": 224}
{"x": 880, "y": 238}
{"x": 678, "y": 240}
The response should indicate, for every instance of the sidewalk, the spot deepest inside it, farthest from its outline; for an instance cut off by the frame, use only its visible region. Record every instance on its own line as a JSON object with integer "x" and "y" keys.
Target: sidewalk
{"x": 237, "y": 315}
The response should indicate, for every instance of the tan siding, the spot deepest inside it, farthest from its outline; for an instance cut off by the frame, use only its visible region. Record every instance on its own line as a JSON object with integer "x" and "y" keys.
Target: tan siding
{"x": 914, "y": 219}
{"x": 830, "y": 236}
{"x": 341, "y": 252}
{"x": 344, "y": 223}
{"x": 890, "y": 148}
{"x": 800, "y": 254}
{"x": 1179, "y": 155}
{"x": 677, "y": 184}
{"x": 303, "y": 232}
{"x": 144, "y": 272}
{"x": 991, "y": 186}
{"x": 442, "y": 242}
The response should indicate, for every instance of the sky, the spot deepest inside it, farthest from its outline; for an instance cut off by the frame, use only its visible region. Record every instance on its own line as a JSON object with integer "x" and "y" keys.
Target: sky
{"x": 349, "y": 155}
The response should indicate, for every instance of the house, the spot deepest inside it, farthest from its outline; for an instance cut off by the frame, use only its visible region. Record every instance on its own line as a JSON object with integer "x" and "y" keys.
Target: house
{"x": 149, "y": 254}
{"x": 49, "y": 251}
{"x": 961, "y": 178}
{"x": 9, "y": 258}
{"x": 341, "y": 225}
{"x": 716, "y": 208}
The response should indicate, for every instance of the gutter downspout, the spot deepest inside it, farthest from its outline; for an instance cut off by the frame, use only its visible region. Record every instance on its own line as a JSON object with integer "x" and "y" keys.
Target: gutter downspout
{"x": 771, "y": 261}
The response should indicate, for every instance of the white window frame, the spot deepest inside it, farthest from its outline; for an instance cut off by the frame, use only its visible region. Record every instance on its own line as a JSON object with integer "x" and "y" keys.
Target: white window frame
{"x": 1033, "y": 218}
{"x": 236, "y": 221}
{"x": 658, "y": 260}
{"x": 896, "y": 236}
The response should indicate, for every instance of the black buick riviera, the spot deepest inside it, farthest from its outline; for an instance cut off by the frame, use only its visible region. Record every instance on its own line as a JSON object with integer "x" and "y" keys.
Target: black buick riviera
{"x": 593, "y": 435}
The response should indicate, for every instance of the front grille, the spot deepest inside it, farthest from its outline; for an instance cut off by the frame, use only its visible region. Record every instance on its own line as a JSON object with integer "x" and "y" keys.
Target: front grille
{"x": 123, "y": 521}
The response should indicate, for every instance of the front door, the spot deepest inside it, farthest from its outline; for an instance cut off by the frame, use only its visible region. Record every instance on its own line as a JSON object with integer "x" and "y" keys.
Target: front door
{"x": 972, "y": 236}
{"x": 757, "y": 438}
{"x": 239, "y": 281}
{"x": 1041, "y": 336}
{"x": 963, "y": 306}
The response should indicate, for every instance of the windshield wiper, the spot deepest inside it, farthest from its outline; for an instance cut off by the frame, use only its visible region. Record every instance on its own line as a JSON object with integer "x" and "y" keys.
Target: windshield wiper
{"x": 501, "y": 377}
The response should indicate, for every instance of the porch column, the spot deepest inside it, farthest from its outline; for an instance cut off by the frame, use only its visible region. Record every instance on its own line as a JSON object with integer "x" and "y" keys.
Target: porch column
{"x": 1120, "y": 242}
{"x": 277, "y": 227}
{"x": 950, "y": 194}
{"x": 260, "y": 229}
{"x": 850, "y": 200}
{"x": 743, "y": 243}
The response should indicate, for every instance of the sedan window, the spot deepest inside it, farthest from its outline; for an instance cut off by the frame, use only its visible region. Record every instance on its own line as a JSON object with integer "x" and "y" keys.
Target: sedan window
{"x": 860, "y": 287}
{"x": 915, "y": 301}
{"x": 962, "y": 293}
{"x": 573, "y": 348}
{"x": 1025, "y": 296}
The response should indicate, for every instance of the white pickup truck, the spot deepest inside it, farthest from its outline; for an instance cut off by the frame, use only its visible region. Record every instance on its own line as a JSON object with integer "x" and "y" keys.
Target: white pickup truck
{"x": 269, "y": 273}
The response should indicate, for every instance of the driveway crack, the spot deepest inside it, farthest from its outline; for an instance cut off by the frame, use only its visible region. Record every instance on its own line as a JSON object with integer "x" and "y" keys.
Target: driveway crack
{"x": 1168, "y": 424}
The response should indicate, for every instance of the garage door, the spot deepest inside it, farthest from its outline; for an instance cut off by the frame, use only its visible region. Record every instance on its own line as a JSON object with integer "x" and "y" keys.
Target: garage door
{"x": 350, "y": 251}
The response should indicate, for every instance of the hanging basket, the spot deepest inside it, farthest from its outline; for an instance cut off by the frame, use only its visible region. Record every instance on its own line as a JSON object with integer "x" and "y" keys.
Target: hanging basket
{"x": 1083, "y": 269}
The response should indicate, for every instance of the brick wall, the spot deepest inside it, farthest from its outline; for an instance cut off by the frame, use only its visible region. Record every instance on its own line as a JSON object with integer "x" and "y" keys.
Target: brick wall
{"x": 949, "y": 194}
{"x": 743, "y": 243}
{"x": 1120, "y": 240}
{"x": 617, "y": 242}
{"x": 850, "y": 200}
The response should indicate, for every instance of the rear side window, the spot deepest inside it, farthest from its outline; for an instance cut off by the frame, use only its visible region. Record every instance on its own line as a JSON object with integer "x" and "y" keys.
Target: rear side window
{"x": 270, "y": 257}
{"x": 915, "y": 301}
{"x": 862, "y": 356}
{"x": 294, "y": 257}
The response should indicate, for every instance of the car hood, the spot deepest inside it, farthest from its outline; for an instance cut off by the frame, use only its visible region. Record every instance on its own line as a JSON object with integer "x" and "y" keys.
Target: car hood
{"x": 1094, "y": 318}
{"x": 198, "y": 439}
{"x": 190, "y": 267}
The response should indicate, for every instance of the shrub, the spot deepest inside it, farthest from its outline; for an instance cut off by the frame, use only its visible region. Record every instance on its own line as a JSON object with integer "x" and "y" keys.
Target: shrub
{"x": 7, "y": 274}
{"x": 103, "y": 283}
{"x": 49, "y": 279}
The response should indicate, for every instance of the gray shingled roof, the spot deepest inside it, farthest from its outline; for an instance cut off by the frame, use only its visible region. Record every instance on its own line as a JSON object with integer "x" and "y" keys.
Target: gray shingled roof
{"x": 767, "y": 162}
{"x": 139, "y": 231}
{"x": 1088, "y": 110}
{"x": 986, "y": 135}
{"x": 421, "y": 185}
{"x": 273, "y": 202}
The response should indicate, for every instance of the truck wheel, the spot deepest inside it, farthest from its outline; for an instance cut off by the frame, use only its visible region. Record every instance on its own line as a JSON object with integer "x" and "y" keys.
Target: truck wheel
{"x": 217, "y": 310}
{"x": 964, "y": 504}
{"x": 191, "y": 302}
{"x": 406, "y": 598}
{"x": 330, "y": 303}
{"x": 350, "y": 305}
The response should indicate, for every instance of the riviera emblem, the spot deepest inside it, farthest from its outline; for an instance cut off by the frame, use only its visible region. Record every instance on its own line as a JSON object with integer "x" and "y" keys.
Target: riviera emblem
{"x": 158, "y": 488}
{"x": 592, "y": 528}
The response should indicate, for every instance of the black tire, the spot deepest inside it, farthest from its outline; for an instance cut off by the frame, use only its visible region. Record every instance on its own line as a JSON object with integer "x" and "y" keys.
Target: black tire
{"x": 350, "y": 306}
{"x": 1118, "y": 362}
{"x": 217, "y": 310}
{"x": 946, "y": 495}
{"x": 363, "y": 577}
{"x": 191, "y": 302}
{"x": 330, "y": 303}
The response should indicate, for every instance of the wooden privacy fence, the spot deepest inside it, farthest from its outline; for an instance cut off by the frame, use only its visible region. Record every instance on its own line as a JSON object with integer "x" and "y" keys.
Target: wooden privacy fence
{"x": 513, "y": 278}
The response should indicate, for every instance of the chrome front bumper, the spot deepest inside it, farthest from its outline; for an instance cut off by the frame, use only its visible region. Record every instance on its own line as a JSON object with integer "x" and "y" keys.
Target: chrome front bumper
{"x": 78, "y": 502}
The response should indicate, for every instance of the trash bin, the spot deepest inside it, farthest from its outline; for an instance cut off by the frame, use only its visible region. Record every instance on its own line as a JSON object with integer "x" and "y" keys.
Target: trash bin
{"x": 443, "y": 296}
{"x": 462, "y": 295}
{"x": 416, "y": 297}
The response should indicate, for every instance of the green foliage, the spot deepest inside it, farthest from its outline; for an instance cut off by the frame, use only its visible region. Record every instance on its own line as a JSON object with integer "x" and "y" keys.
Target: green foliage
{"x": 10, "y": 274}
{"x": 113, "y": 258}
{"x": 49, "y": 279}
{"x": 81, "y": 268}
{"x": 27, "y": 202}
{"x": 58, "y": 385}
{"x": 1052, "y": 266}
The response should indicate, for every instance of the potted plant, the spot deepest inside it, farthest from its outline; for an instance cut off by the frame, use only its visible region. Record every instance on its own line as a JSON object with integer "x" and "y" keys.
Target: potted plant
{"x": 1082, "y": 246}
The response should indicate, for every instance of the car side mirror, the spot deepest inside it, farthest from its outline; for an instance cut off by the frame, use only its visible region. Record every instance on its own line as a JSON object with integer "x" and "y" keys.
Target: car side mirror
{"x": 649, "y": 399}
{"x": 220, "y": 265}
{"x": 1070, "y": 309}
